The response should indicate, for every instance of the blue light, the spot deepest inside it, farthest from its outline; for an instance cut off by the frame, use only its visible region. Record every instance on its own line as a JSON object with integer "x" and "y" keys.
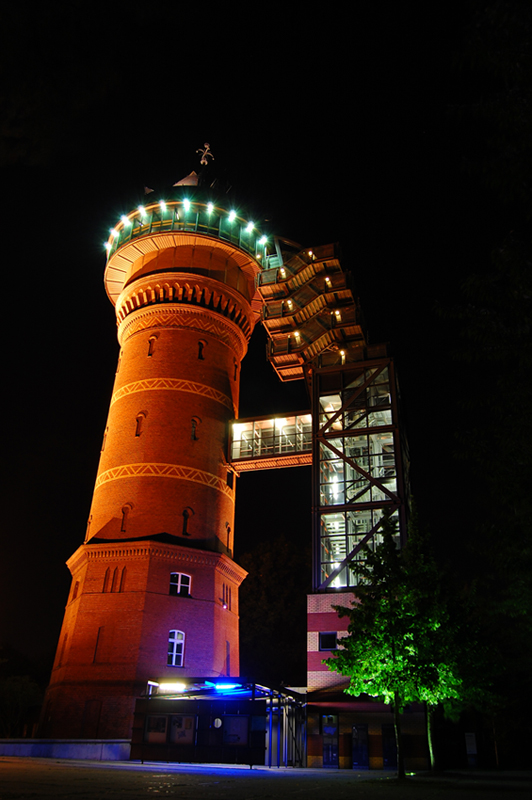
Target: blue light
{"x": 222, "y": 687}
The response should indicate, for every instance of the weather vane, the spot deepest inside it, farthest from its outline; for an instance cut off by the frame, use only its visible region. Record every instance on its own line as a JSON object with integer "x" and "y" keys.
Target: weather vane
{"x": 205, "y": 154}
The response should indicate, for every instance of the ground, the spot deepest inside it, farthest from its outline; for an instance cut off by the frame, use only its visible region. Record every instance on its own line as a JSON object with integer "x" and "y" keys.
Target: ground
{"x": 22, "y": 779}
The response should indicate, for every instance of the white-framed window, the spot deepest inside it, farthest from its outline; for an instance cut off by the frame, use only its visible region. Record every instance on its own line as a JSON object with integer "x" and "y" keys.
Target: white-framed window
{"x": 176, "y": 649}
{"x": 180, "y": 584}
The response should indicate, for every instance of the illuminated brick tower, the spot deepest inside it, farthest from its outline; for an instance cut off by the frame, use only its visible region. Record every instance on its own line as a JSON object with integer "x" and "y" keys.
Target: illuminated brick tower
{"x": 154, "y": 587}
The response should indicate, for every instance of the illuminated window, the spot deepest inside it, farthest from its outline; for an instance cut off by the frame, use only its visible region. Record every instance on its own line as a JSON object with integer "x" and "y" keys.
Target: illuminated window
{"x": 328, "y": 641}
{"x": 176, "y": 648}
{"x": 180, "y": 584}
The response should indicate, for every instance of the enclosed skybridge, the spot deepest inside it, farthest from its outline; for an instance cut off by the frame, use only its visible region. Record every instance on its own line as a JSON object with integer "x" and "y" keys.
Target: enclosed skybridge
{"x": 271, "y": 442}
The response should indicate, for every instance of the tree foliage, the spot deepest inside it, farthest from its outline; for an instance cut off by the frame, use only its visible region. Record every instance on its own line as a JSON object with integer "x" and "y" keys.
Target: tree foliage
{"x": 403, "y": 643}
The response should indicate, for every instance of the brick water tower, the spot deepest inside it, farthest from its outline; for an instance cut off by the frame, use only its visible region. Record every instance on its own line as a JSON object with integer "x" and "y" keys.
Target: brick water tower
{"x": 154, "y": 587}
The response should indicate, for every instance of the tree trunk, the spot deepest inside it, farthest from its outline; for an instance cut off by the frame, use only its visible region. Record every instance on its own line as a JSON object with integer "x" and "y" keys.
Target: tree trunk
{"x": 429, "y": 710}
{"x": 398, "y": 740}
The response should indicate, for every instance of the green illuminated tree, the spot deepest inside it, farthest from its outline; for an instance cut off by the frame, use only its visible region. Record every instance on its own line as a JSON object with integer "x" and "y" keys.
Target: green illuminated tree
{"x": 401, "y": 645}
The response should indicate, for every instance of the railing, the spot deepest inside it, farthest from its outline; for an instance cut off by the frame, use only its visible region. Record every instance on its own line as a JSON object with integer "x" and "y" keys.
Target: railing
{"x": 271, "y": 437}
{"x": 192, "y": 217}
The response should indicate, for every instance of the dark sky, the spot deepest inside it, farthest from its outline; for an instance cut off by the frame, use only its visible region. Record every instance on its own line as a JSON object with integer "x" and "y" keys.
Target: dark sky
{"x": 332, "y": 127}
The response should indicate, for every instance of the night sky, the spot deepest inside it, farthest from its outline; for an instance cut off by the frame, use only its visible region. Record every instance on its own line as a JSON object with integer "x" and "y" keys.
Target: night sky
{"x": 332, "y": 128}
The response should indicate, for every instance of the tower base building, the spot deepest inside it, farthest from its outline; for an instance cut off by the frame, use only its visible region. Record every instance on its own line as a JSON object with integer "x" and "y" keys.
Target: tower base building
{"x": 154, "y": 586}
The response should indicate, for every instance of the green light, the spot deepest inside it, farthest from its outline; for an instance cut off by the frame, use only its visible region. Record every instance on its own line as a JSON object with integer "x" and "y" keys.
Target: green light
{"x": 232, "y": 216}
{"x": 107, "y": 246}
{"x": 249, "y": 227}
{"x": 113, "y": 232}
{"x": 125, "y": 220}
{"x": 210, "y": 208}
{"x": 142, "y": 211}
{"x": 263, "y": 240}
{"x": 186, "y": 204}
{"x": 162, "y": 205}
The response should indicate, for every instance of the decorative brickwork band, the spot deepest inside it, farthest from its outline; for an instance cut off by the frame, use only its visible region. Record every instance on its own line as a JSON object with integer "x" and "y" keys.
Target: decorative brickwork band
{"x": 175, "y": 385}
{"x": 165, "y": 471}
{"x": 199, "y": 320}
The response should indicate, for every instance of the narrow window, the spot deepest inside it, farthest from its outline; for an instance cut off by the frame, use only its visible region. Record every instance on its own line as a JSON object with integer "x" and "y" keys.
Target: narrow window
{"x": 122, "y": 580}
{"x": 235, "y": 364}
{"x": 106, "y": 580}
{"x": 327, "y": 641}
{"x": 201, "y": 349}
{"x": 76, "y": 589}
{"x": 114, "y": 585}
{"x": 187, "y": 513}
{"x": 180, "y": 584}
{"x": 119, "y": 361}
{"x": 227, "y": 658}
{"x": 176, "y": 648}
{"x": 125, "y": 515}
{"x": 151, "y": 345}
{"x": 195, "y": 425}
{"x": 141, "y": 416}
{"x": 230, "y": 480}
{"x": 104, "y": 438}
{"x": 88, "y": 527}
{"x": 63, "y": 647}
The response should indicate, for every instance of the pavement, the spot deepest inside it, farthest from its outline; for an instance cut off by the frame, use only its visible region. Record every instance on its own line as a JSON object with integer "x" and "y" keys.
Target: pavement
{"x": 30, "y": 778}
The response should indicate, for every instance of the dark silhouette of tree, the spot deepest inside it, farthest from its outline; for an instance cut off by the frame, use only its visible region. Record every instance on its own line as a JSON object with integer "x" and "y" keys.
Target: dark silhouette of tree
{"x": 273, "y": 612}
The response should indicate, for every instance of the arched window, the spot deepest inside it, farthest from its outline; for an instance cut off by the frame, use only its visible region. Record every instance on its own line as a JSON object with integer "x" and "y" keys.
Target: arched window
{"x": 125, "y": 514}
{"x": 187, "y": 513}
{"x": 180, "y": 584}
{"x": 195, "y": 425}
{"x": 141, "y": 416}
{"x": 176, "y": 649}
{"x": 151, "y": 345}
{"x": 122, "y": 579}
{"x": 201, "y": 349}
{"x": 88, "y": 527}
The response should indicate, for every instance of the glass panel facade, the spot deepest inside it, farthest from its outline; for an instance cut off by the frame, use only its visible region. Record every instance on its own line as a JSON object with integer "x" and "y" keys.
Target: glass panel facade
{"x": 271, "y": 437}
{"x": 357, "y": 471}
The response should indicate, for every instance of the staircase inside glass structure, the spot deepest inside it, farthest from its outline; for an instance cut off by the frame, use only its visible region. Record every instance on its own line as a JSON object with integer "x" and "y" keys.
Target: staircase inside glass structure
{"x": 351, "y": 434}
